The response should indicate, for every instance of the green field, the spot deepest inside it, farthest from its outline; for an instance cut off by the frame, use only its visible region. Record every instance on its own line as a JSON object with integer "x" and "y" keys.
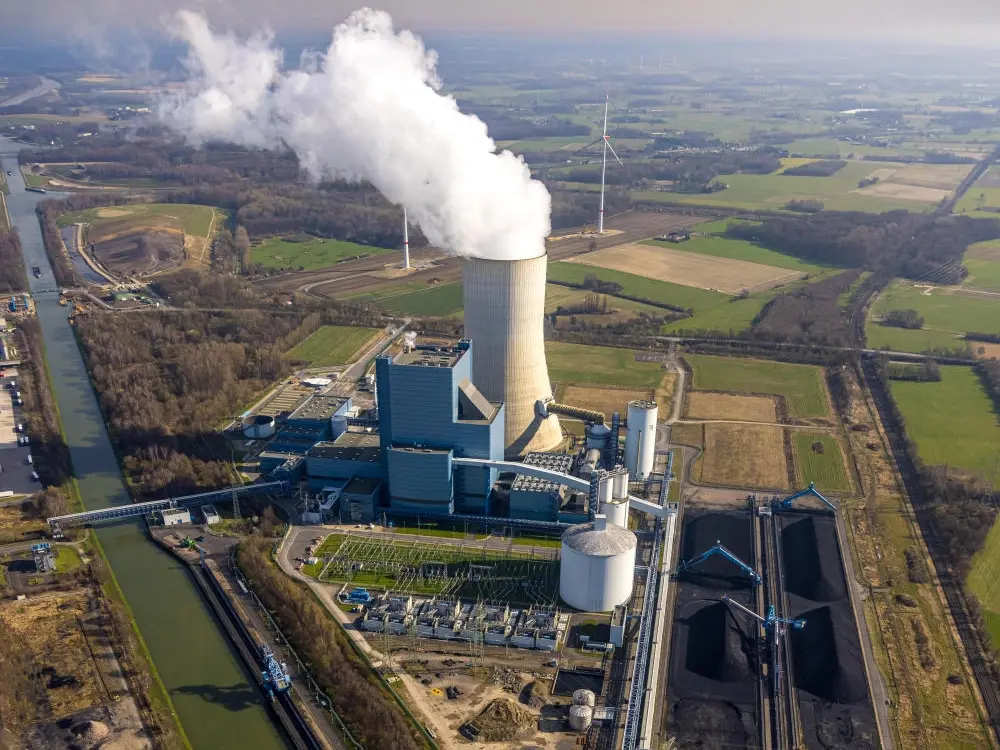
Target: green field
{"x": 722, "y": 247}
{"x": 978, "y": 198}
{"x": 801, "y": 385}
{"x": 952, "y": 422}
{"x": 948, "y": 314}
{"x": 67, "y": 559}
{"x": 983, "y": 262}
{"x": 332, "y": 345}
{"x": 418, "y": 299}
{"x": 830, "y": 146}
{"x": 599, "y": 365}
{"x": 639, "y": 286}
{"x": 773, "y": 191}
{"x": 733, "y": 316}
{"x": 826, "y": 469}
{"x": 984, "y": 582}
{"x": 308, "y": 255}
{"x": 196, "y": 220}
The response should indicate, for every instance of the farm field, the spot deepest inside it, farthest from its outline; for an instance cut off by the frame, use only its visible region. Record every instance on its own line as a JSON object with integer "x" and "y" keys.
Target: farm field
{"x": 948, "y": 313}
{"x": 308, "y": 255}
{"x": 194, "y": 219}
{"x": 332, "y": 345}
{"x": 801, "y": 385}
{"x": 837, "y": 192}
{"x": 984, "y": 581}
{"x": 812, "y": 148}
{"x": 983, "y": 262}
{"x": 639, "y": 286}
{"x": 738, "y": 455}
{"x": 607, "y": 400}
{"x": 981, "y": 200}
{"x": 624, "y": 309}
{"x": 825, "y": 467}
{"x": 664, "y": 263}
{"x": 419, "y": 299}
{"x": 961, "y": 430}
{"x": 576, "y": 364}
{"x": 708, "y": 240}
{"x": 710, "y": 405}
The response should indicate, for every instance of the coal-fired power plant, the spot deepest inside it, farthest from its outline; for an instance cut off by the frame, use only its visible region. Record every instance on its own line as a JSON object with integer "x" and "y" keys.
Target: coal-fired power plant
{"x": 505, "y": 317}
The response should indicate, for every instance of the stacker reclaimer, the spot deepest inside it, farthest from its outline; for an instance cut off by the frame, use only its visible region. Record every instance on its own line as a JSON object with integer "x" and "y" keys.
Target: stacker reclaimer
{"x": 786, "y": 503}
{"x": 719, "y": 549}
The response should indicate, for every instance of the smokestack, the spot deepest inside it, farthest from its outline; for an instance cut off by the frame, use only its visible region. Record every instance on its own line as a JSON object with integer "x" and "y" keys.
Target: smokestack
{"x": 406, "y": 241}
{"x": 504, "y": 317}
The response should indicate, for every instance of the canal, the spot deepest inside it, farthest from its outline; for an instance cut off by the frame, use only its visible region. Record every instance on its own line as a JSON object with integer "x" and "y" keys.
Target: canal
{"x": 218, "y": 702}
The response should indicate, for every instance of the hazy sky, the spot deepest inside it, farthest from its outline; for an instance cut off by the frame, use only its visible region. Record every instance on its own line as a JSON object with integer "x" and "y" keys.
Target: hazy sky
{"x": 975, "y": 21}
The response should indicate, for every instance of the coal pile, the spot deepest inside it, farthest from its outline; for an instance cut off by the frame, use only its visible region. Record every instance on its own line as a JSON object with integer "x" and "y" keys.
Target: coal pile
{"x": 827, "y": 664}
{"x": 813, "y": 569}
{"x": 712, "y": 682}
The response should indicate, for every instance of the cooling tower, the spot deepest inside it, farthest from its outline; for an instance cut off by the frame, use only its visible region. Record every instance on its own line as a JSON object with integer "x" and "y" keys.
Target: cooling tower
{"x": 505, "y": 317}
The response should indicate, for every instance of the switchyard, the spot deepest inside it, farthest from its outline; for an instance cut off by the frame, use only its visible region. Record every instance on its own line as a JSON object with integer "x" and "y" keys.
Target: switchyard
{"x": 765, "y": 650}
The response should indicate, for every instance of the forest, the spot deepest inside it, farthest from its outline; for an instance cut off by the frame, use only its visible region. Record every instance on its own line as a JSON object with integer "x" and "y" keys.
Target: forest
{"x": 12, "y": 278}
{"x": 896, "y": 242}
{"x": 368, "y": 710}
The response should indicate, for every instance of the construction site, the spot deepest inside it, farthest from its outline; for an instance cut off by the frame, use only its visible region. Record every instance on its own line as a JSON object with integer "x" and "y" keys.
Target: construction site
{"x": 765, "y": 649}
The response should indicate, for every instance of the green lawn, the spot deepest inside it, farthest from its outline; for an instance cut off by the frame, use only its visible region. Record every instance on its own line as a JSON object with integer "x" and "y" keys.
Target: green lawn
{"x": 978, "y": 199}
{"x": 773, "y": 191}
{"x": 826, "y": 469}
{"x": 732, "y": 316}
{"x": 983, "y": 262}
{"x": 722, "y": 247}
{"x": 952, "y": 422}
{"x": 801, "y": 385}
{"x": 984, "y": 582}
{"x": 332, "y": 345}
{"x": 599, "y": 365}
{"x": 67, "y": 559}
{"x": 196, "y": 220}
{"x": 314, "y": 253}
{"x": 948, "y": 315}
{"x": 418, "y": 299}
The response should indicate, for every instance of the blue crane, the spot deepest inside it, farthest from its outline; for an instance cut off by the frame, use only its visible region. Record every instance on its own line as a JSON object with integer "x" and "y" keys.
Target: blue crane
{"x": 719, "y": 549}
{"x": 810, "y": 490}
{"x": 275, "y": 674}
{"x": 770, "y": 620}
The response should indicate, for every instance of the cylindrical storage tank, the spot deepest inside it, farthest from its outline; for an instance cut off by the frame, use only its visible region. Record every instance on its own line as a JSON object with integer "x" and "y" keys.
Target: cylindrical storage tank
{"x": 597, "y": 565}
{"x": 504, "y": 317}
{"x": 598, "y": 436}
{"x": 604, "y": 490}
{"x": 584, "y": 697}
{"x": 338, "y": 426}
{"x": 580, "y": 718}
{"x": 640, "y": 443}
{"x": 259, "y": 427}
{"x": 617, "y": 512}
{"x": 620, "y": 488}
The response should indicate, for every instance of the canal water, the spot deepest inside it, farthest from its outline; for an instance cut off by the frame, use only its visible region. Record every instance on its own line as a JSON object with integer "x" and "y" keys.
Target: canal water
{"x": 218, "y": 702}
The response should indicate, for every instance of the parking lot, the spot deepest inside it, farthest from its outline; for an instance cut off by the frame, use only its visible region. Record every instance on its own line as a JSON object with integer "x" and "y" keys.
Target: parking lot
{"x": 15, "y": 471}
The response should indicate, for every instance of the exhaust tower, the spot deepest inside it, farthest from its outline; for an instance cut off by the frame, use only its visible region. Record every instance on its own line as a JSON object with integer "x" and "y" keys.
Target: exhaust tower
{"x": 505, "y": 316}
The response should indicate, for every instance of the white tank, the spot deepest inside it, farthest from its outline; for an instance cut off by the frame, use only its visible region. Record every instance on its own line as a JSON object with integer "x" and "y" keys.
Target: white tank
{"x": 620, "y": 488}
{"x": 640, "y": 444}
{"x": 604, "y": 491}
{"x": 504, "y": 318}
{"x": 597, "y": 565}
{"x": 584, "y": 697}
{"x": 259, "y": 427}
{"x": 580, "y": 718}
{"x": 617, "y": 512}
{"x": 598, "y": 436}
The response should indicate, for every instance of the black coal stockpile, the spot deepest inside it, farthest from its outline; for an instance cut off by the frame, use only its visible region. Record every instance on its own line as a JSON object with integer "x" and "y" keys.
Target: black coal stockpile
{"x": 713, "y": 661}
{"x": 827, "y": 663}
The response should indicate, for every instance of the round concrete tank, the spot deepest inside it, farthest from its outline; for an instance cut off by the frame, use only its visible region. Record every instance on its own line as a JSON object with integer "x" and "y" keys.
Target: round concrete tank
{"x": 620, "y": 488}
{"x": 597, "y": 565}
{"x": 640, "y": 444}
{"x": 617, "y": 512}
{"x": 584, "y": 697}
{"x": 580, "y": 718}
{"x": 604, "y": 490}
{"x": 504, "y": 314}
{"x": 598, "y": 436}
{"x": 259, "y": 427}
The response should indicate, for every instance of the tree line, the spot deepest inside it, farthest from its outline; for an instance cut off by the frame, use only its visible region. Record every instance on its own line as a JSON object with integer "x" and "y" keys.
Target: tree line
{"x": 12, "y": 277}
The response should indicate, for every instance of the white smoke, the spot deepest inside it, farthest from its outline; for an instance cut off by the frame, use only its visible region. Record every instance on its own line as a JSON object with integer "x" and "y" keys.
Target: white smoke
{"x": 369, "y": 108}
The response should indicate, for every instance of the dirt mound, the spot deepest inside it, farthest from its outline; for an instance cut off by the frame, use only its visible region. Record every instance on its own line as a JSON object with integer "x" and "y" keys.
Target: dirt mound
{"x": 710, "y": 724}
{"x": 534, "y": 694}
{"x": 811, "y": 560}
{"x": 141, "y": 252}
{"x": 701, "y": 533}
{"x": 718, "y": 646}
{"x": 89, "y": 733}
{"x": 826, "y": 659}
{"x": 503, "y": 721}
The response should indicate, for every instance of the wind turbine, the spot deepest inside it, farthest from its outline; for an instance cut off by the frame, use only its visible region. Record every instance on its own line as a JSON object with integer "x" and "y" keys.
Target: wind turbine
{"x": 604, "y": 165}
{"x": 406, "y": 241}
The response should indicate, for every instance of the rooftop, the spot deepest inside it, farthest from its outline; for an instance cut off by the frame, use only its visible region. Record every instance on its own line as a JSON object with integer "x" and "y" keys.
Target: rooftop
{"x": 351, "y": 446}
{"x": 431, "y": 356}
{"x": 553, "y": 461}
{"x": 319, "y": 408}
{"x": 591, "y": 539}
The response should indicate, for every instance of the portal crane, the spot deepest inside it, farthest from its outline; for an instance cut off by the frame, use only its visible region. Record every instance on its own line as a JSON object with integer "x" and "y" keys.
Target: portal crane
{"x": 810, "y": 490}
{"x": 719, "y": 549}
{"x": 275, "y": 674}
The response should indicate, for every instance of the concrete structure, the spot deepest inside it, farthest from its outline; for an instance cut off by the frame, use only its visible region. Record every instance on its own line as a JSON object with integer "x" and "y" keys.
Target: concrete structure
{"x": 176, "y": 517}
{"x": 259, "y": 427}
{"x": 597, "y": 565}
{"x": 211, "y": 514}
{"x": 536, "y": 498}
{"x": 504, "y": 317}
{"x": 640, "y": 443}
{"x": 45, "y": 561}
{"x": 359, "y": 499}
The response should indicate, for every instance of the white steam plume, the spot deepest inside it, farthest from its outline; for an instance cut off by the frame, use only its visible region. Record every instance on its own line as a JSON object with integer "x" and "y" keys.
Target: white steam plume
{"x": 369, "y": 108}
